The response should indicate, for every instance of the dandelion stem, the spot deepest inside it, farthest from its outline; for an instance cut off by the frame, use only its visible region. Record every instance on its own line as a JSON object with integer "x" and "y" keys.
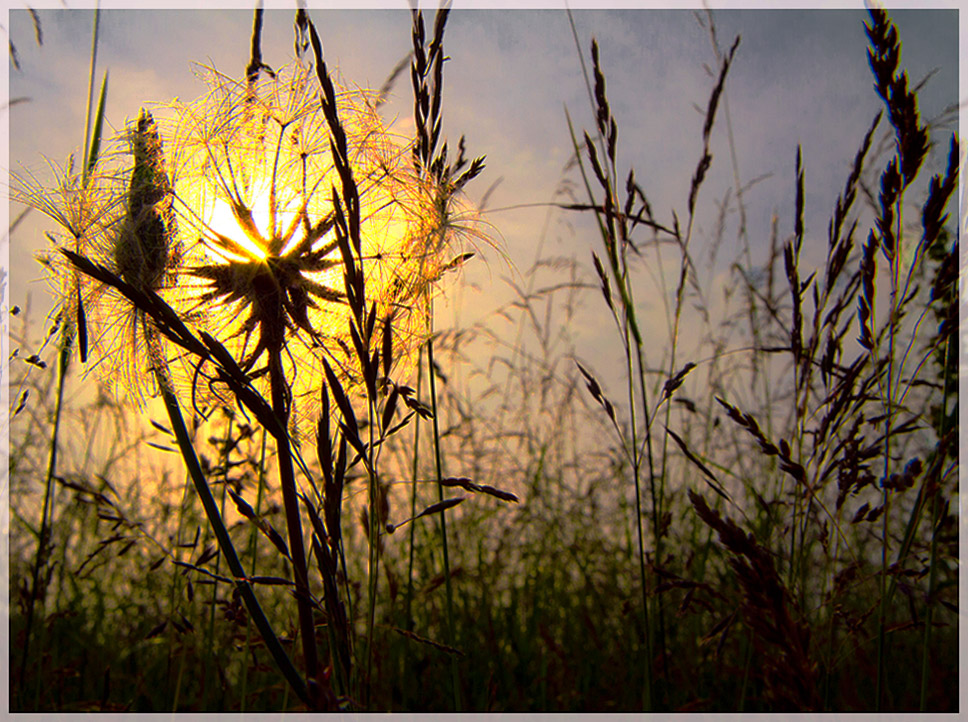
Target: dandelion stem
{"x": 225, "y": 543}
{"x": 287, "y": 481}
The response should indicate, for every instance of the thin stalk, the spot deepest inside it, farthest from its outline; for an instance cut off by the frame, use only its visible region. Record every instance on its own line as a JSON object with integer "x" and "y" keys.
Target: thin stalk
{"x": 287, "y": 480}
{"x": 647, "y": 691}
{"x": 253, "y": 538}
{"x": 211, "y": 647}
{"x": 409, "y": 625}
{"x": 373, "y": 567}
{"x": 88, "y": 159}
{"x": 658, "y": 501}
{"x": 174, "y": 589}
{"x": 888, "y": 422}
{"x": 935, "y": 523}
{"x": 63, "y": 365}
{"x": 225, "y": 544}
{"x": 415, "y": 469}
{"x": 431, "y": 368}
{"x": 832, "y": 622}
{"x": 741, "y": 707}
{"x": 47, "y": 514}
{"x": 929, "y": 614}
{"x": 624, "y": 324}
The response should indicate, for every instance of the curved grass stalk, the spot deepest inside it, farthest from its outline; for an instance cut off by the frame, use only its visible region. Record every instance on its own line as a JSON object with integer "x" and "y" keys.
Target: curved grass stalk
{"x": 225, "y": 543}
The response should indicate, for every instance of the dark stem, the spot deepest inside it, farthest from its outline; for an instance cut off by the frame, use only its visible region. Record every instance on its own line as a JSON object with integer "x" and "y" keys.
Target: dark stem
{"x": 45, "y": 531}
{"x": 432, "y": 370}
{"x": 287, "y": 481}
{"x": 225, "y": 543}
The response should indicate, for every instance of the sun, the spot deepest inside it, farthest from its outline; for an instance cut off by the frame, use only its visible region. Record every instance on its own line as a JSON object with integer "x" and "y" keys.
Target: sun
{"x": 223, "y": 222}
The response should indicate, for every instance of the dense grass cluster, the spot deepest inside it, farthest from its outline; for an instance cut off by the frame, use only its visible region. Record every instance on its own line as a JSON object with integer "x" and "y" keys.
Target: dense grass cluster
{"x": 763, "y": 519}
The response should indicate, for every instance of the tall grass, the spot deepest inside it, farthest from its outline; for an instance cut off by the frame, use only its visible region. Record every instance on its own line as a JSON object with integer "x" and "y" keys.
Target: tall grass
{"x": 69, "y": 329}
{"x": 787, "y": 544}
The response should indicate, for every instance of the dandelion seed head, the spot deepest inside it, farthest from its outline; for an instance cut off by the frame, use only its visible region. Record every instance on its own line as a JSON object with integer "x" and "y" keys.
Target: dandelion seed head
{"x": 227, "y": 211}
{"x": 254, "y": 188}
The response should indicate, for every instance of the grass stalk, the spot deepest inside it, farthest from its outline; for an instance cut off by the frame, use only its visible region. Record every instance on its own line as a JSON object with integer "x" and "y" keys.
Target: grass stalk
{"x": 174, "y": 589}
{"x": 895, "y": 265}
{"x": 935, "y": 524}
{"x": 415, "y": 471}
{"x": 63, "y": 365}
{"x": 287, "y": 481}
{"x": 628, "y": 329}
{"x": 47, "y": 513}
{"x": 373, "y": 565}
{"x": 210, "y": 647}
{"x": 432, "y": 370}
{"x": 225, "y": 544}
{"x": 253, "y": 559}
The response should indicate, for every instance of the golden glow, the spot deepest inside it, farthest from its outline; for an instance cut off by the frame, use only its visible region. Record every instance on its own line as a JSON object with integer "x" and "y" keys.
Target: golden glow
{"x": 224, "y": 222}
{"x": 255, "y": 184}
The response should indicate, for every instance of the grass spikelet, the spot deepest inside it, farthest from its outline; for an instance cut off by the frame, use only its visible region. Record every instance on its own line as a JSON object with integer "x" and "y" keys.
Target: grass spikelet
{"x": 770, "y": 614}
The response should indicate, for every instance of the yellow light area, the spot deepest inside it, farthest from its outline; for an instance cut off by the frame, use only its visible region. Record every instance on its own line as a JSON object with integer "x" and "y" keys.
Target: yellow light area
{"x": 283, "y": 152}
{"x": 224, "y": 221}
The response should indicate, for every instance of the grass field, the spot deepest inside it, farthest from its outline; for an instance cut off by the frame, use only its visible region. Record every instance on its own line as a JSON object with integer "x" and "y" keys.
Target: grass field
{"x": 249, "y": 470}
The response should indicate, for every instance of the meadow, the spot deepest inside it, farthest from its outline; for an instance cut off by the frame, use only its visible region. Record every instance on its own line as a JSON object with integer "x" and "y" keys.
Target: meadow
{"x": 251, "y": 470}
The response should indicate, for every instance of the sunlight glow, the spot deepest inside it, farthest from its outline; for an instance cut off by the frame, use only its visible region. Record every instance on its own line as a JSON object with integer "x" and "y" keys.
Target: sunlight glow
{"x": 224, "y": 221}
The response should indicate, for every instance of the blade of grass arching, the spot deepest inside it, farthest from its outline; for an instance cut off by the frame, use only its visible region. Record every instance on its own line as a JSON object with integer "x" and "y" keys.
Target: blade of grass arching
{"x": 432, "y": 369}
{"x": 95, "y": 147}
{"x": 90, "y": 154}
{"x": 227, "y": 548}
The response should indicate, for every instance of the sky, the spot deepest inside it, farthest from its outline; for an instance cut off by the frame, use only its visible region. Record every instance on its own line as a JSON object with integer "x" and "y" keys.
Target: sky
{"x": 800, "y": 77}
